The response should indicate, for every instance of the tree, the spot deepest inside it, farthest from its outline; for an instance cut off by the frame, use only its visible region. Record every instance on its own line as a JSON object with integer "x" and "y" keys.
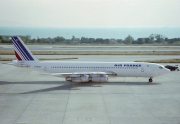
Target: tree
{"x": 39, "y": 40}
{"x": 99, "y": 40}
{"x": 159, "y": 39}
{"x": 119, "y": 40}
{"x": 59, "y": 39}
{"x": 128, "y": 39}
{"x": 151, "y": 38}
{"x": 1, "y": 38}
{"x": 91, "y": 40}
{"x": 84, "y": 40}
{"x": 140, "y": 41}
{"x": 33, "y": 40}
{"x": 106, "y": 41}
{"x": 73, "y": 38}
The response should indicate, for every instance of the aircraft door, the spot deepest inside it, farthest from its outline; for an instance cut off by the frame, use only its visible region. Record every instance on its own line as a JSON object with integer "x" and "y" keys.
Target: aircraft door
{"x": 147, "y": 71}
{"x": 142, "y": 69}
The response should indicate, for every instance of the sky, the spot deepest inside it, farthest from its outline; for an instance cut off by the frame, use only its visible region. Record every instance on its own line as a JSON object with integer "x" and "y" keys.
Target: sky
{"x": 90, "y": 13}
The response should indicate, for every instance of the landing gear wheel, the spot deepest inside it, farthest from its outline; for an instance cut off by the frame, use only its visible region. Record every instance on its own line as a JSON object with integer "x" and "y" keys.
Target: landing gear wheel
{"x": 150, "y": 79}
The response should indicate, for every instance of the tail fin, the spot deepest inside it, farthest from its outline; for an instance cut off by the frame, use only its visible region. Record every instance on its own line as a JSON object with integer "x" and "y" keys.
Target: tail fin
{"x": 22, "y": 52}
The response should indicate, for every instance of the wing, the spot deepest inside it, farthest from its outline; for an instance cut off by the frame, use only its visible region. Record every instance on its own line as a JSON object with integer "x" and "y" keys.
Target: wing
{"x": 77, "y": 74}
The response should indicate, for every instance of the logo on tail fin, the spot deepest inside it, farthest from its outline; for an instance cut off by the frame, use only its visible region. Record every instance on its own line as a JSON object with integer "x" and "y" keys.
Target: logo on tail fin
{"x": 21, "y": 51}
{"x": 17, "y": 56}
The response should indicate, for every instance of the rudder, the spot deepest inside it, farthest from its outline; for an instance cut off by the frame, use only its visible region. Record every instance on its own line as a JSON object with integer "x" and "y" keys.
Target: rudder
{"x": 22, "y": 52}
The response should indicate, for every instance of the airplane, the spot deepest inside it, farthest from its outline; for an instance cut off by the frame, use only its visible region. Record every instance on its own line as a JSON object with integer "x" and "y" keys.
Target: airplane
{"x": 74, "y": 71}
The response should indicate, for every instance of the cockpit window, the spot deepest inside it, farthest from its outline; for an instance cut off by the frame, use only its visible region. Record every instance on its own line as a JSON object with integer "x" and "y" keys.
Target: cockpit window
{"x": 160, "y": 67}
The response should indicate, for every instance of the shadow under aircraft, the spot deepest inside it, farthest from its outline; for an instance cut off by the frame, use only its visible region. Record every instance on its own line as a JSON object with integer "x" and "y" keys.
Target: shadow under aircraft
{"x": 71, "y": 86}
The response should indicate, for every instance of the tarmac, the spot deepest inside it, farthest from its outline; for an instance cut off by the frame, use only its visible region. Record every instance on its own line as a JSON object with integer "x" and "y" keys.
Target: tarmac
{"x": 28, "y": 97}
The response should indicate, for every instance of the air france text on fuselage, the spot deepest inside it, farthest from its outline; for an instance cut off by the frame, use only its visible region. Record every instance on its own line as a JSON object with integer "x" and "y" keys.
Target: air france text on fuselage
{"x": 127, "y": 65}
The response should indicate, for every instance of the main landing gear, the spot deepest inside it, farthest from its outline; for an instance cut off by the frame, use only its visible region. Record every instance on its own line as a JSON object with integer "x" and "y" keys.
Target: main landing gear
{"x": 150, "y": 79}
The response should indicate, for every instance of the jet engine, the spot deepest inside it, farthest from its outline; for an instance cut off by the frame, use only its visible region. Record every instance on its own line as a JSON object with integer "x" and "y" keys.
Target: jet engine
{"x": 99, "y": 78}
{"x": 87, "y": 78}
{"x": 84, "y": 78}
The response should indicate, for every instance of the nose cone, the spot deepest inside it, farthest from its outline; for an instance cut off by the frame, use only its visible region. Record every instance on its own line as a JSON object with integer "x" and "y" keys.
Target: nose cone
{"x": 160, "y": 70}
{"x": 164, "y": 71}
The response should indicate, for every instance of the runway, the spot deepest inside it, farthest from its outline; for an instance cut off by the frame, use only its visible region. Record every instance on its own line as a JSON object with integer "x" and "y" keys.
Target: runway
{"x": 28, "y": 97}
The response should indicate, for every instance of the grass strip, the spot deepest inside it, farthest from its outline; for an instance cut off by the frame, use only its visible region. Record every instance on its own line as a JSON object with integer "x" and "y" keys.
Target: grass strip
{"x": 10, "y": 59}
{"x": 11, "y": 52}
{"x": 161, "y": 61}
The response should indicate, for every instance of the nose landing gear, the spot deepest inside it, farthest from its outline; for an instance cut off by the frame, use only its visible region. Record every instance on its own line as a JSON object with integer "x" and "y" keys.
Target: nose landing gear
{"x": 150, "y": 79}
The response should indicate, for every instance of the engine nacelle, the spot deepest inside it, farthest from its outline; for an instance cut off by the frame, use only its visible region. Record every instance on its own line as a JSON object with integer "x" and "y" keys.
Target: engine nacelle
{"x": 84, "y": 78}
{"x": 101, "y": 78}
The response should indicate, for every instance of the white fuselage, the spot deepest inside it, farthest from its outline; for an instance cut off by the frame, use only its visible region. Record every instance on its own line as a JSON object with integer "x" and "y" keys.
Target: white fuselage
{"x": 122, "y": 69}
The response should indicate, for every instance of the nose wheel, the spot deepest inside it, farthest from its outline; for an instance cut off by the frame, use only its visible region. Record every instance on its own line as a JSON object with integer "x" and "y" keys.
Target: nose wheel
{"x": 150, "y": 79}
